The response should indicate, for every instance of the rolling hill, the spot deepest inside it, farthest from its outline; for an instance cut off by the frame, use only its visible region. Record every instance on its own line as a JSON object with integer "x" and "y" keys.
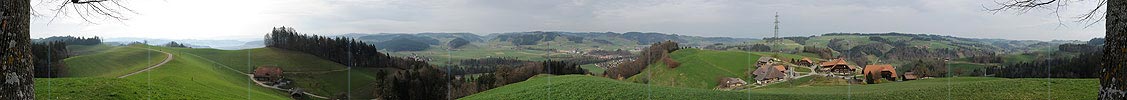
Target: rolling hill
{"x": 185, "y": 77}
{"x": 315, "y": 75}
{"x": 699, "y": 68}
{"x": 112, "y": 62}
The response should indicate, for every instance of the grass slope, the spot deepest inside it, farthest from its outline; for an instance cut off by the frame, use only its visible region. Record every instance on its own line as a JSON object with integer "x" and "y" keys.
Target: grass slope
{"x": 113, "y": 62}
{"x": 570, "y": 87}
{"x": 315, "y": 75}
{"x": 699, "y": 68}
{"x": 186, "y": 77}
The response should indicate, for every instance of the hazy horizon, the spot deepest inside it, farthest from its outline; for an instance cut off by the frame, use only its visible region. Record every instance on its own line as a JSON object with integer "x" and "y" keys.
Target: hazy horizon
{"x": 241, "y": 20}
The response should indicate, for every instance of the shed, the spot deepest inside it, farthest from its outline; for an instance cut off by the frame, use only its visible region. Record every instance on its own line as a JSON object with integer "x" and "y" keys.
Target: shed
{"x": 729, "y": 83}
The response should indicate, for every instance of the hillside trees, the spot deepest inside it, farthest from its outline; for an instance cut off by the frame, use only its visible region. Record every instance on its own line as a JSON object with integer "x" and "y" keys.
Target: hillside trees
{"x": 457, "y": 43}
{"x": 174, "y": 44}
{"x": 646, "y": 57}
{"x": 340, "y": 50}
{"x": 403, "y": 44}
{"x": 49, "y": 59}
{"x": 71, "y": 40}
{"x": 1084, "y": 65}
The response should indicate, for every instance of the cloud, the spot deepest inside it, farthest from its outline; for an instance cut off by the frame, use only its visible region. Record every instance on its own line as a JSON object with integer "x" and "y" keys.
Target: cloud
{"x": 215, "y": 19}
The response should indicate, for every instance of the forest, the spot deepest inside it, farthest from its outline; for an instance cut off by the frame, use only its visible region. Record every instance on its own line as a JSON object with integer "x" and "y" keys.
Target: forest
{"x": 646, "y": 57}
{"x": 1084, "y": 64}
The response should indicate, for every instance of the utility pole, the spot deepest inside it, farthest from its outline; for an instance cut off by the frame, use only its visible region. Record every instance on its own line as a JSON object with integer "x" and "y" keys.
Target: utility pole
{"x": 776, "y": 26}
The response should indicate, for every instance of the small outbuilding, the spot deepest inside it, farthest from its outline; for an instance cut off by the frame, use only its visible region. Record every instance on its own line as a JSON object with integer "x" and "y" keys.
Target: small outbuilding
{"x": 728, "y": 83}
{"x": 910, "y": 76}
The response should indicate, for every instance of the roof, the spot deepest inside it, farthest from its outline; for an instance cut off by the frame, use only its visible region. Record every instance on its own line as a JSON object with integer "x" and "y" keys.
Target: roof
{"x": 267, "y": 70}
{"x": 910, "y": 75}
{"x": 763, "y": 73}
{"x": 835, "y": 62}
{"x": 879, "y": 68}
{"x": 806, "y": 60}
{"x": 780, "y": 67}
{"x": 765, "y": 59}
{"x": 730, "y": 80}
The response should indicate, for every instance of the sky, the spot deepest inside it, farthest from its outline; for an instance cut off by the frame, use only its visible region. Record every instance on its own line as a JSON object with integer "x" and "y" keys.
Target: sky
{"x": 251, "y": 19}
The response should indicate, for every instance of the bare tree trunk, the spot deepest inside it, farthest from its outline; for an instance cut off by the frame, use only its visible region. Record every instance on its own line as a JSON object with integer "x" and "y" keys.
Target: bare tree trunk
{"x": 15, "y": 61}
{"x": 1112, "y": 83}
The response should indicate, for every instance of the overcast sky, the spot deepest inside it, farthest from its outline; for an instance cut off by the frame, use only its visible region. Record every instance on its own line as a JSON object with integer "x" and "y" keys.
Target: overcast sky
{"x": 251, "y": 19}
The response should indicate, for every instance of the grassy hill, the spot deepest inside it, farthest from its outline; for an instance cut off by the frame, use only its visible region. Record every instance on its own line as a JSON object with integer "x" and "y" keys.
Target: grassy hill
{"x": 88, "y": 49}
{"x": 699, "y": 68}
{"x": 315, "y": 75}
{"x": 185, "y": 77}
{"x": 979, "y": 88}
{"x": 112, "y": 62}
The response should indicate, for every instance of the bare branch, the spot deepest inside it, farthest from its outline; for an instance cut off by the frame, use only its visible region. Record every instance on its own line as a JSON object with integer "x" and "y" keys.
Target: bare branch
{"x": 1022, "y": 6}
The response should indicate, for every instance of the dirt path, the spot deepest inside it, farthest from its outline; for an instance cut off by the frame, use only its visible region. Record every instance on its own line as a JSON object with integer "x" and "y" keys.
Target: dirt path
{"x": 168, "y": 57}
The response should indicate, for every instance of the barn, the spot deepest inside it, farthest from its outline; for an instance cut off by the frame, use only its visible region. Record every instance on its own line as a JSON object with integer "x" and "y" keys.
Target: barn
{"x": 268, "y": 73}
{"x": 873, "y": 73}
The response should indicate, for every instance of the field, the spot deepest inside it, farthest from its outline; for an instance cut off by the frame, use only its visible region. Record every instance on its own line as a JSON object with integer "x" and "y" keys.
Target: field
{"x": 699, "y": 68}
{"x": 112, "y": 62}
{"x": 977, "y": 88}
{"x": 315, "y": 75}
{"x": 186, "y": 77}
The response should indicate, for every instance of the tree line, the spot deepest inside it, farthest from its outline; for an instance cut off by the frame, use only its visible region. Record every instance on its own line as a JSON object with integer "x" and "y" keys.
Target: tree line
{"x": 48, "y": 59}
{"x": 72, "y": 40}
{"x": 646, "y": 57}
{"x": 1086, "y": 64}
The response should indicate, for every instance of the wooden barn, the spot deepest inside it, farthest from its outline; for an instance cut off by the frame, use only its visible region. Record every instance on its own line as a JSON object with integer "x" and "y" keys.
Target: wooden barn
{"x": 837, "y": 66}
{"x": 910, "y": 76}
{"x": 873, "y": 73}
{"x": 268, "y": 73}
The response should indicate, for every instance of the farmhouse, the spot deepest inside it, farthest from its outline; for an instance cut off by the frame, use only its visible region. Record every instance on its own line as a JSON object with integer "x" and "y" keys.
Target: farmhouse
{"x": 874, "y": 73}
{"x": 769, "y": 73}
{"x": 268, "y": 73}
{"x": 728, "y": 83}
{"x": 837, "y": 66}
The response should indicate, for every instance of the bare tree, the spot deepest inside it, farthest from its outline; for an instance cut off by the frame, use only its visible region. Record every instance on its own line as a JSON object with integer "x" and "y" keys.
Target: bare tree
{"x": 16, "y": 60}
{"x": 1113, "y": 82}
